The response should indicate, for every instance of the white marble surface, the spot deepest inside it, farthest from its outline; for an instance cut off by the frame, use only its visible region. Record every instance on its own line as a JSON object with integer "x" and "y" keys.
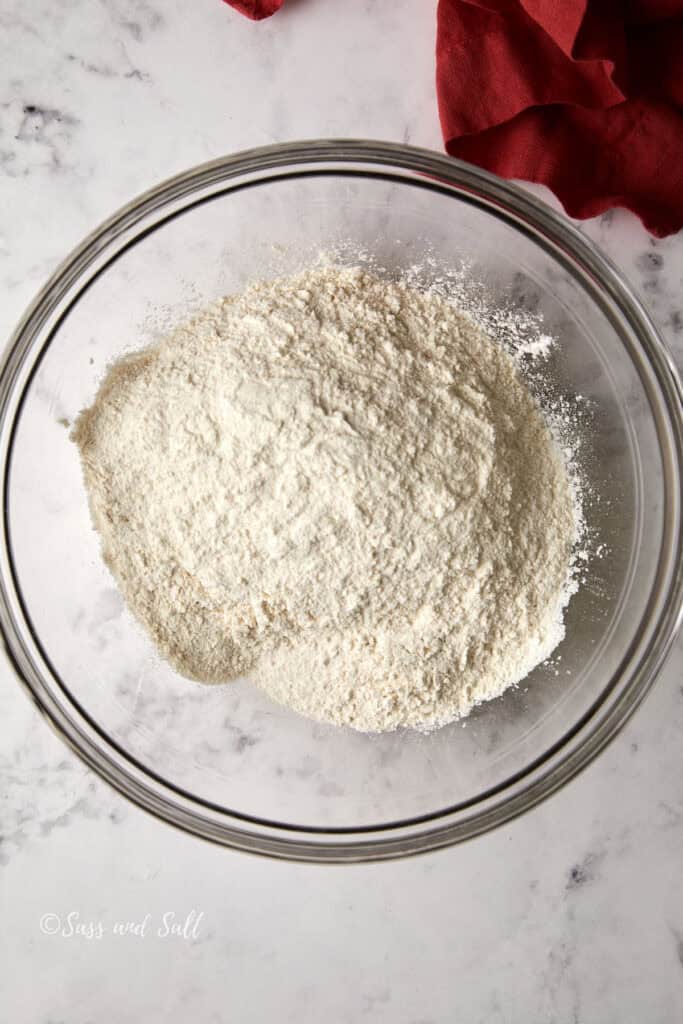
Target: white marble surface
{"x": 573, "y": 913}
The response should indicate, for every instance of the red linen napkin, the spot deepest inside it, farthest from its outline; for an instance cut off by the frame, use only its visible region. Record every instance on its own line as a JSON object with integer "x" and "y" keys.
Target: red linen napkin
{"x": 256, "y": 9}
{"x": 585, "y": 96}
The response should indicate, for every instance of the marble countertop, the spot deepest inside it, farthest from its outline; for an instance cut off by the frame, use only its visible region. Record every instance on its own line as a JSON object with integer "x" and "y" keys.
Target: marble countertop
{"x": 573, "y": 913}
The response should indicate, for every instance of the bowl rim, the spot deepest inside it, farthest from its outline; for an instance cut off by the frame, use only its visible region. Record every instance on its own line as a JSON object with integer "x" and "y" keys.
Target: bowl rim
{"x": 640, "y": 664}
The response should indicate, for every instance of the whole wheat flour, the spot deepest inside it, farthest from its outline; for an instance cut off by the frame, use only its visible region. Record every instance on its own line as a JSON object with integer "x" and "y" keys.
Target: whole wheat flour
{"x": 342, "y": 488}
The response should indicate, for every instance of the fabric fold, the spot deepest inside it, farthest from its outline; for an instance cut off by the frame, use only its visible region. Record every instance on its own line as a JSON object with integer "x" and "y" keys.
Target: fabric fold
{"x": 584, "y": 97}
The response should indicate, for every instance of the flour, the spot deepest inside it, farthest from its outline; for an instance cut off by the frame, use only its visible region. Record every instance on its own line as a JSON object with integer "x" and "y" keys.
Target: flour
{"x": 342, "y": 488}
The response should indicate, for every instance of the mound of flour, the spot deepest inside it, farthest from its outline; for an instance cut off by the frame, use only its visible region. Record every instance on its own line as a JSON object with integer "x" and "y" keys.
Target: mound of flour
{"x": 342, "y": 488}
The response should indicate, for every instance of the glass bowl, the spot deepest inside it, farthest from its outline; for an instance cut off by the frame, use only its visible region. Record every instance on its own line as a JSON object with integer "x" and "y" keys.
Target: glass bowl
{"x": 224, "y": 762}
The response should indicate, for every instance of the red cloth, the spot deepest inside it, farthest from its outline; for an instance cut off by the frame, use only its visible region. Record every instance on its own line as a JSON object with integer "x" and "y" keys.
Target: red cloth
{"x": 256, "y": 9}
{"x": 585, "y": 96}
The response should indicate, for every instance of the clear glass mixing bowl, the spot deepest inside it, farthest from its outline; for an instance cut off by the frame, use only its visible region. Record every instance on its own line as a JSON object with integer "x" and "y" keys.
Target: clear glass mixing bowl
{"x": 223, "y": 762}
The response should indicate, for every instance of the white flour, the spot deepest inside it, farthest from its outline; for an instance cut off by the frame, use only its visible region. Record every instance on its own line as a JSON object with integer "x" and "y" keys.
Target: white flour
{"x": 342, "y": 488}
